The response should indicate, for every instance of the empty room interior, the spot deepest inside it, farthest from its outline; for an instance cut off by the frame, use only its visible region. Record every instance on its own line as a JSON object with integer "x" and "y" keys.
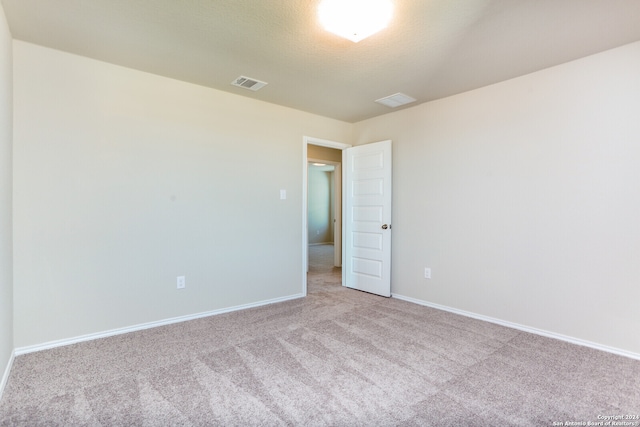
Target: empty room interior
{"x": 157, "y": 181}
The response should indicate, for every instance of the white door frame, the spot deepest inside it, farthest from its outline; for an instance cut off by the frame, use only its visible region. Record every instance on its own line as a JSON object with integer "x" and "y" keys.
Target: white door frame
{"x": 305, "y": 236}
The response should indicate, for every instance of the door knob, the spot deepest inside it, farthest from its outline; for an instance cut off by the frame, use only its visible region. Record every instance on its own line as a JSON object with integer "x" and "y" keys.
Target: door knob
{"x": 385, "y": 226}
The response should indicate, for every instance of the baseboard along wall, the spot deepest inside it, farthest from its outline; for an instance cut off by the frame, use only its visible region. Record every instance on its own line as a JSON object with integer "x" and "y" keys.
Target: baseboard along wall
{"x": 140, "y": 327}
{"x": 5, "y": 375}
{"x": 523, "y": 328}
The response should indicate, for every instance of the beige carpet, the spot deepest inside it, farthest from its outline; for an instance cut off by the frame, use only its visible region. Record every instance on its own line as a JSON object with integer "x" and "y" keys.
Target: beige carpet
{"x": 321, "y": 262}
{"x": 336, "y": 358}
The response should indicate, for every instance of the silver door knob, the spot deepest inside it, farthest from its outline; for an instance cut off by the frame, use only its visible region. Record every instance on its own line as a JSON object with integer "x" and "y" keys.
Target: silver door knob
{"x": 385, "y": 226}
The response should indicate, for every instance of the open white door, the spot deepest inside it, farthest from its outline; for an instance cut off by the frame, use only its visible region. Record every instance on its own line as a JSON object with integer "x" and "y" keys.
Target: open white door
{"x": 367, "y": 212}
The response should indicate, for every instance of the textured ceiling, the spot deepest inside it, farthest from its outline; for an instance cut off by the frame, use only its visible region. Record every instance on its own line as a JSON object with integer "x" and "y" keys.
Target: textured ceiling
{"x": 432, "y": 49}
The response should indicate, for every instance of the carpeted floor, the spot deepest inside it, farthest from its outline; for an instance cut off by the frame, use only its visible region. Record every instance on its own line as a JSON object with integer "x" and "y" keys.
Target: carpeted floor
{"x": 321, "y": 262}
{"x": 336, "y": 358}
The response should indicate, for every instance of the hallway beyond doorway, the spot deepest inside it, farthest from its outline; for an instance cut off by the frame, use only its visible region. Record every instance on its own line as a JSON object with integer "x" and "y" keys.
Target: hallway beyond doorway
{"x": 321, "y": 268}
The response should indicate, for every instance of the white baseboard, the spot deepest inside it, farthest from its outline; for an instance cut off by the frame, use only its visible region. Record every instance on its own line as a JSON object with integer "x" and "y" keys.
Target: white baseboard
{"x": 523, "y": 328}
{"x": 7, "y": 371}
{"x": 140, "y": 327}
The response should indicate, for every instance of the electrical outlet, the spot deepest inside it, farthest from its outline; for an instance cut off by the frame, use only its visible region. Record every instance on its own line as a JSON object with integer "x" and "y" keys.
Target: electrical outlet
{"x": 427, "y": 273}
{"x": 182, "y": 282}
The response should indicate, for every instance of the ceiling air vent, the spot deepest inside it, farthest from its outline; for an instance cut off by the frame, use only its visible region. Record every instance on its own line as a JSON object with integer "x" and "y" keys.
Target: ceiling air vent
{"x": 396, "y": 100}
{"x": 248, "y": 83}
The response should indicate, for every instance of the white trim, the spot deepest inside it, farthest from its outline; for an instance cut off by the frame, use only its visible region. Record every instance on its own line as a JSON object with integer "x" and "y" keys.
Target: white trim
{"x": 143, "y": 326}
{"x": 306, "y": 140}
{"x": 305, "y": 231}
{"x": 325, "y": 143}
{"x": 7, "y": 372}
{"x": 523, "y": 328}
{"x": 337, "y": 216}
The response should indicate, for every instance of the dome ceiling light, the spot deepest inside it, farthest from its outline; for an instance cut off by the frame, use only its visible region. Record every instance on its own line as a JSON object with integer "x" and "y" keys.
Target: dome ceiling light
{"x": 355, "y": 19}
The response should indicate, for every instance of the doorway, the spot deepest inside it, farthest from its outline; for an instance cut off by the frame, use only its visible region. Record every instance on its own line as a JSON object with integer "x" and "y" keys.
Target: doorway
{"x": 324, "y": 212}
{"x": 366, "y": 218}
{"x": 323, "y": 158}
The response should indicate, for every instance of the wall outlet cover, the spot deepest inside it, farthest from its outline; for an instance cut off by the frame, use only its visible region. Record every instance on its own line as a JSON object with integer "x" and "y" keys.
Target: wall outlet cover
{"x": 181, "y": 282}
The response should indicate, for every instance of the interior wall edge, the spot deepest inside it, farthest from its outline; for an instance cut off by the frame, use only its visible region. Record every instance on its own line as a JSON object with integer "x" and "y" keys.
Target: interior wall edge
{"x": 7, "y": 372}
{"x": 7, "y": 342}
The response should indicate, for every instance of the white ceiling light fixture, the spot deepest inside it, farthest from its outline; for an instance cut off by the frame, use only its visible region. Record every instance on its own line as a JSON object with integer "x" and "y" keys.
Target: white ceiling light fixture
{"x": 355, "y": 19}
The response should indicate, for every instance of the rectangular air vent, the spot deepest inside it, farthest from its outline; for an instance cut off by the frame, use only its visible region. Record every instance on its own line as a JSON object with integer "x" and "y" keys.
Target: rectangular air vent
{"x": 396, "y": 100}
{"x": 248, "y": 83}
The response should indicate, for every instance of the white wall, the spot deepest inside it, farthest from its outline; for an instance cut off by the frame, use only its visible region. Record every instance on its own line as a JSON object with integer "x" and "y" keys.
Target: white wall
{"x": 524, "y": 199}
{"x": 124, "y": 180}
{"x": 6, "y": 239}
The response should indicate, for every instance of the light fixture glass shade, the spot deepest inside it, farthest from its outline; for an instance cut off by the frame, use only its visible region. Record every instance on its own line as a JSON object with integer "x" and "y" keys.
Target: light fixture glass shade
{"x": 355, "y": 19}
